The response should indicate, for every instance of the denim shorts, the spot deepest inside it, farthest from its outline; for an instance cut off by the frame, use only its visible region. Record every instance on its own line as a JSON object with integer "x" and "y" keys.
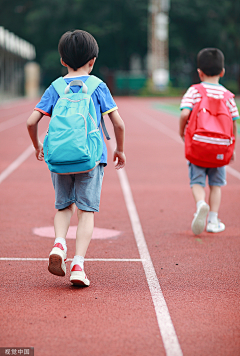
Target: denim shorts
{"x": 83, "y": 189}
{"x": 197, "y": 175}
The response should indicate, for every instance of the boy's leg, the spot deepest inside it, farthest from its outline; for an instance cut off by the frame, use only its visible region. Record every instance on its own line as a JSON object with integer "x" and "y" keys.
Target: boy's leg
{"x": 217, "y": 179}
{"x": 214, "y": 198}
{"x": 198, "y": 193}
{"x": 84, "y": 231}
{"x": 62, "y": 221}
{"x": 197, "y": 177}
{"x": 83, "y": 238}
{"x": 199, "y": 220}
{"x": 88, "y": 190}
{"x": 58, "y": 255}
{"x": 214, "y": 224}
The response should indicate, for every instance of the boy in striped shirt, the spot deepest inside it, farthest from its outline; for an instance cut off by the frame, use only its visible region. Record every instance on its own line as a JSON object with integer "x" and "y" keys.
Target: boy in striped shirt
{"x": 210, "y": 63}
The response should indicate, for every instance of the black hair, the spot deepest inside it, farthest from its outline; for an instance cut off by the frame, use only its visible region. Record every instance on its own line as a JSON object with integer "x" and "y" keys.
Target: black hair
{"x": 77, "y": 47}
{"x": 210, "y": 61}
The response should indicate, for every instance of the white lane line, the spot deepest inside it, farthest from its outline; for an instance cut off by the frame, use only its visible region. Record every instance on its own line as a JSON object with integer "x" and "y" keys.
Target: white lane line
{"x": 167, "y": 331}
{"x": 15, "y": 164}
{"x": 173, "y": 135}
{"x": 159, "y": 126}
{"x": 15, "y": 103}
{"x": 14, "y": 121}
{"x": 233, "y": 172}
{"x": 166, "y": 327}
{"x": 70, "y": 259}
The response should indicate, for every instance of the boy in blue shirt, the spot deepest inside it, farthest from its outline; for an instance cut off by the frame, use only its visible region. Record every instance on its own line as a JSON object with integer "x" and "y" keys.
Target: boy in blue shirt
{"x": 78, "y": 50}
{"x": 210, "y": 69}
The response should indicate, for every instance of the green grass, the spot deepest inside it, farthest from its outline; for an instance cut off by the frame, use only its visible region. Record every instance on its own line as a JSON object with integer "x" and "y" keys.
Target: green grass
{"x": 173, "y": 109}
{"x": 238, "y": 103}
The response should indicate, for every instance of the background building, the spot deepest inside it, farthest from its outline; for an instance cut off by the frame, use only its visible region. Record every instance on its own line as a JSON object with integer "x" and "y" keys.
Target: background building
{"x": 15, "y": 53}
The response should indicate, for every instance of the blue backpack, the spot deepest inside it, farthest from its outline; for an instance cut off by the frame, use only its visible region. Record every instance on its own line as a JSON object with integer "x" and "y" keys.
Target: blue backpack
{"x": 73, "y": 143}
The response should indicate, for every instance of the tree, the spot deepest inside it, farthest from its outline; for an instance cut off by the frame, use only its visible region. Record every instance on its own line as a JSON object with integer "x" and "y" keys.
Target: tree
{"x": 195, "y": 24}
{"x": 119, "y": 26}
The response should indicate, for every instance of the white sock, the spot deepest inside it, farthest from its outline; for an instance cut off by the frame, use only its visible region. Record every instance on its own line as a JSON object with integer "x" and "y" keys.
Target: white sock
{"x": 212, "y": 217}
{"x": 78, "y": 260}
{"x": 62, "y": 241}
{"x": 199, "y": 203}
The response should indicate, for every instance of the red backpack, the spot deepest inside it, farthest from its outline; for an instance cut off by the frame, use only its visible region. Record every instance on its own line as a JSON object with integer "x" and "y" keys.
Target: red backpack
{"x": 209, "y": 139}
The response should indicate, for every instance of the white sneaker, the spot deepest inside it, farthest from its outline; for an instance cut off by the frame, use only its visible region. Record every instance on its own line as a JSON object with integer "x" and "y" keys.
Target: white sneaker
{"x": 78, "y": 276}
{"x": 215, "y": 227}
{"x": 57, "y": 259}
{"x": 199, "y": 221}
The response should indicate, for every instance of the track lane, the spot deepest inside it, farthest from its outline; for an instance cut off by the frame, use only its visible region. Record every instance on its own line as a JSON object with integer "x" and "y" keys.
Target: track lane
{"x": 106, "y": 319}
{"x": 182, "y": 262}
{"x": 195, "y": 273}
{"x": 13, "y": 134}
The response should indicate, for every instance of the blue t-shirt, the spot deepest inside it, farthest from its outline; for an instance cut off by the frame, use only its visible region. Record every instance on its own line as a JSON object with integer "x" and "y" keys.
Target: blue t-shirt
{"x": 102, "y": 99}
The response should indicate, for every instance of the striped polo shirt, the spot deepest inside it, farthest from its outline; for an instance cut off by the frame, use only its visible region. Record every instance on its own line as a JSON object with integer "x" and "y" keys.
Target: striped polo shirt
{"x": 192, "y": 96}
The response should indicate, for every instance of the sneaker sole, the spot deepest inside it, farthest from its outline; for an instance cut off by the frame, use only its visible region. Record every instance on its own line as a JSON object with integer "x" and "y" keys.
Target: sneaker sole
{"x": 214, "y": 231}
{"x": 199, "y": 223}
{"x": 79, "y": 280}
{"x": 56, "y": 265}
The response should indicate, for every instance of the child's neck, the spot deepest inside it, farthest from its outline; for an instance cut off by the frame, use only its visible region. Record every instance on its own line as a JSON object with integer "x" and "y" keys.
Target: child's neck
{"x": 77, "y": 73}
{"x": 211, "y": 80}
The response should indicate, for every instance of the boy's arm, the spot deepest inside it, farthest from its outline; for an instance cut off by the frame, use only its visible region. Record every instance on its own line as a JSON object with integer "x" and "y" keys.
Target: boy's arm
{"x": 32, "y": 126}
{"x": 119, "y": 130}
{"x": 235, "y": 135}
{"x": 185, "y": 113}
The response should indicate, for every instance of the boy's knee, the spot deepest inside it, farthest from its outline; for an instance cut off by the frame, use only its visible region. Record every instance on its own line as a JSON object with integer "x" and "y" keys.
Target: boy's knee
{"x": 215, "y": 187}
{"x": 71, "y": 207}
{"x": 82, "y": 212}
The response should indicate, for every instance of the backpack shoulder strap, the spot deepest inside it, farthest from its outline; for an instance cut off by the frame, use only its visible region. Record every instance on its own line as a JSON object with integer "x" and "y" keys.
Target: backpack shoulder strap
{"x": 92, "y": 83}
{"x": 200, "y": 88}
{"x": 59, "y": 85}
{"x": 228, "y": 95}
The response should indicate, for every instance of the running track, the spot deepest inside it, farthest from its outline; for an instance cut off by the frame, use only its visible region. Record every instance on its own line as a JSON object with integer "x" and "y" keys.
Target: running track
{"x": 156, "y": 289}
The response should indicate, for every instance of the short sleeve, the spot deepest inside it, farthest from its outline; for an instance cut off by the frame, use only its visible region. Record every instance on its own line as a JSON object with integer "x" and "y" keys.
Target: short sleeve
{"x": 105, "y": 99}
{"x": 190, "y": 98}
{"x": 48, "y": 101}
{"x": 231, "y": 104}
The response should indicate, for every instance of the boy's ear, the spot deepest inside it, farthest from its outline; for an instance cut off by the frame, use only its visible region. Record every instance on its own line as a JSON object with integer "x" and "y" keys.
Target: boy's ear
{"x": 92, "y": 61}
{"x": 222, "y": 73}
{"x": 200, "y": 73}
{"x": 63, "y": 63}
{"x": 91, "y": 64}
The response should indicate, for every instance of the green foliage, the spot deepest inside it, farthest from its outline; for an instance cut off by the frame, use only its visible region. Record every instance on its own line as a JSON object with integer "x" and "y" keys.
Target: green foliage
{"x": 170, "y": 91}
{"x": 119, "y": 26}
{"x": 196, "y": 24}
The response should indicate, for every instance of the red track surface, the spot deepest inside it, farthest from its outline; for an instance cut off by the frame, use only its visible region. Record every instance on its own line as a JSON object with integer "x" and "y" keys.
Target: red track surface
{"x": 115, "y": 316}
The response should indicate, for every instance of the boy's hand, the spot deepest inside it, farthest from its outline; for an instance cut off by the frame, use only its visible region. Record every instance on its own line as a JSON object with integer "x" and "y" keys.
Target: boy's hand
{"x": 39, "y": 152}
{"x": 182, "y": 136}
{"x": 32, "y": 126}
{"x": 119, "y": 158}
{"x": 119, "y": 129}
{"x": 233, "y": 158}
{"x": 185, "y": 114}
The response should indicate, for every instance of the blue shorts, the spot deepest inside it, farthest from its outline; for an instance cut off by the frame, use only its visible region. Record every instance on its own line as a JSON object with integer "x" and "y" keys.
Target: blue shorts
{"x": 83, "y": 189}
{"x": 197, "y": 175}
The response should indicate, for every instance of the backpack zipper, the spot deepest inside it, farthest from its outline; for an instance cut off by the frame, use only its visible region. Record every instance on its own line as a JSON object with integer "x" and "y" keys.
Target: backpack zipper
{"x": 93, "y": 121}
{"x": 213, "y": 140}
{"x": 73, "y": 101}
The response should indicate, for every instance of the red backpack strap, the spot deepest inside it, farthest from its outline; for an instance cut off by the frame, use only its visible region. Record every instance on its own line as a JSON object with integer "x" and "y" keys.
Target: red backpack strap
{"x": 228, "y": 95}
{"x": 200, "y": 88}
